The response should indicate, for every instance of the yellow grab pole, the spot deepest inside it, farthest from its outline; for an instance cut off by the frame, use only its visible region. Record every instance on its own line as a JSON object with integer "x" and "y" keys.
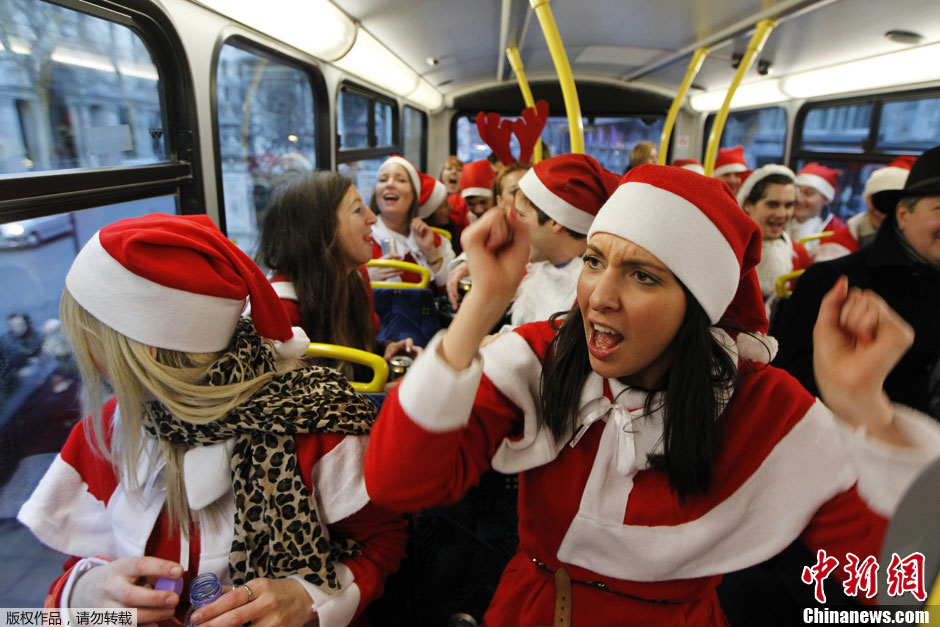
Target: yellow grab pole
{"x": 753, "y": 49}
{"x": 694, "y": 66}
{"x": 544, "y": 12}
{"x": 515, "y": 62}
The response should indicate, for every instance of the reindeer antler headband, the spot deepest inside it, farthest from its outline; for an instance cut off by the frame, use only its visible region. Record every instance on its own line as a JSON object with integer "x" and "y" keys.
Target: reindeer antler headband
{"x": 497, "y": 132}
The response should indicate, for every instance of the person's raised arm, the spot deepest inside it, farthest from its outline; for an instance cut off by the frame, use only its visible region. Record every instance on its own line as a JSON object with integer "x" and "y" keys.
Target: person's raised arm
{"x": 497, "y": 247}
{"x": 857, "y": 340}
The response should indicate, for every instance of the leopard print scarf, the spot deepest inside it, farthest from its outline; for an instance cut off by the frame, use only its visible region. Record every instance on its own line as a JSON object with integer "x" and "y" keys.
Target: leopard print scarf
{"x": 277, "y": 532}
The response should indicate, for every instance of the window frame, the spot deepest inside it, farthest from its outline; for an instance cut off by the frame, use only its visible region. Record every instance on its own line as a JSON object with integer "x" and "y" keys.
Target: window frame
{"x": 344, "y": 155}
{"x": 706, "y": 127}
{"x": 32, "y": 195}
{"x": 321, "y": 112}
{"x": 869, "y": 153}
{"x": 424, "y": 135}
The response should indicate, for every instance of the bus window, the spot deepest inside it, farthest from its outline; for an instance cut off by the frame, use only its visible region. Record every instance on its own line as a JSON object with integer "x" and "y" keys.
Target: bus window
{"x": 762, "y": 132}
{"x": 267, "y": 133}
{"x": 39, "y": 386}
{"x": 843, "y": 128}
{"x": 909, "y": 126}
{"x": 414, "y": 132}
{"x": 608, "y": 140}
{"x": 76, "y": 91}
{"x": 367, "y": 130}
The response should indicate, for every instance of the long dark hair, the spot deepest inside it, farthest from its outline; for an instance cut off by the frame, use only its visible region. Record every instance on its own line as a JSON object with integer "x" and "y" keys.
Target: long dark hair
{"x": 298, "y": 239}
{"x": 691, "y": 394}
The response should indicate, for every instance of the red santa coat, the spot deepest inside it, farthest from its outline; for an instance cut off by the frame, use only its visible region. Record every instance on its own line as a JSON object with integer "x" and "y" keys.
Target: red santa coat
{"x": 785, "y": 469}
{"x": 778, "y": 257}
{"x": 288, "y": 295}
{"x": 81, "y": 508}
{"x": 841, "y": 243}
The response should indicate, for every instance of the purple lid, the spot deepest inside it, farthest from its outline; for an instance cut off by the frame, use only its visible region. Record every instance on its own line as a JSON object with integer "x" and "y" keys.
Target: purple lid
{"x": 173, "y": 585}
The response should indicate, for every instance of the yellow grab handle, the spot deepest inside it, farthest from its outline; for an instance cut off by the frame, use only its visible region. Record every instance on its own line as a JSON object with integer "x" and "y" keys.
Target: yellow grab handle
{"x": 377, "y": 363}
{"x": 565, "y": 78}
{"x": 753, "y": 49}
{"x": 810, "y": 238}
{"x": 781, "y": 285}
{"x": 404, "y": 266}
{"x": 443, "y": 233}
{"x": 515, "y": 62}
{"x": 694, "y": 66}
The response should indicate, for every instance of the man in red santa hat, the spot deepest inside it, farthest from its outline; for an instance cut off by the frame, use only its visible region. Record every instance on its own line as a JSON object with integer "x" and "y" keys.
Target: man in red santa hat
{"x": 729, "y": 165}
{"x": 817, "y": 187}
{"x": 768, "y": 195}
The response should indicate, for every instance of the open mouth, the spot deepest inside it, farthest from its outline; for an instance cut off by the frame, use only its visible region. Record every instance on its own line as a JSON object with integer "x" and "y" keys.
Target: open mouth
{"x": 604, "y": 340}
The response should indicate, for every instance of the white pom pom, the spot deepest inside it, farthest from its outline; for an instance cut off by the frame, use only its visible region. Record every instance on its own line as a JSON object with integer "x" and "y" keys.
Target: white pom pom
{"x": 756, "y": 347}
{"x": 294, "y": 348}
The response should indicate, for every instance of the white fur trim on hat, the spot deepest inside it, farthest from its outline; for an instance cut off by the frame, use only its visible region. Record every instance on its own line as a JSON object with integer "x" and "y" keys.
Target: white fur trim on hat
{"x": 555, "y": 207}
{"x": 817, "y": 182}
{"x": 886, "y": 178}
{"x": 438, "y": 196}
{"x": 694, "y": 167}
{"x": 410, "y": 169}
{"x": 728, "y": 168}
{"x": 678, "y": 234}
{"x": 758, "y": 175}
{"x": 477, "y": 191}
{"x": 146, "y": 311}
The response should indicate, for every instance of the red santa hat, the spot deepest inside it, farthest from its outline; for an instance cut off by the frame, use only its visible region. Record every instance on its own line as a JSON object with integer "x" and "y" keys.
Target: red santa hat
{"x": 820, "y": 178}
{"x": 477, "y": 179}
{"x": 690, "y": 164}
{"x": 692, "y": 224}
{"x": 412, "y": 171}
{"x": 892, "y": 176}
{"x": 176, "y": 282}
{"x": 730, "y": 160}
{"x": 756, "y": 176}
{"x": 569, "y": 189}
{"x": 433, "y": 193}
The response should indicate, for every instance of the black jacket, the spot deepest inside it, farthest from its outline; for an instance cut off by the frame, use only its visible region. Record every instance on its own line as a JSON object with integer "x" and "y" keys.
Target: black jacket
{"x": 912, "y": 289}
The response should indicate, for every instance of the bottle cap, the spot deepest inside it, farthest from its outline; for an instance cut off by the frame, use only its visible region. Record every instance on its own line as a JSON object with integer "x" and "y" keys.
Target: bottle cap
{"x": 173, "y": 585}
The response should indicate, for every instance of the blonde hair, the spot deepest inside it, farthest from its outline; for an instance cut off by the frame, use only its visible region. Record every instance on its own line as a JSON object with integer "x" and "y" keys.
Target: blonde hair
{"x": 138, "y": 374}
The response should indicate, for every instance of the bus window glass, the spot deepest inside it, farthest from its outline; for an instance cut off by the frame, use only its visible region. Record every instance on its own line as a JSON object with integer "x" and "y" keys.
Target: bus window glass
{"x": 352, "y": 120}
{"x": 266, "y": 118}
{"x": 384, "y": 124}
{"x": 851, "y": 184}
{"x": 762, "y": 133}
{"x": 363, "y": 173}
{"x": 843, "y": 128}
{"x": 76, "y": 91}
{"x": 608, "y": 140}
{"x": 909, "y": 126}
{"x": 413, "y": 135}
{"x": 39, "y": 388}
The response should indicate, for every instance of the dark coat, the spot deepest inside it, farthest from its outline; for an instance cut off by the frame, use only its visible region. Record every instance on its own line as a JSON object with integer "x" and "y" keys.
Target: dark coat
{"x": 912, "y": 289}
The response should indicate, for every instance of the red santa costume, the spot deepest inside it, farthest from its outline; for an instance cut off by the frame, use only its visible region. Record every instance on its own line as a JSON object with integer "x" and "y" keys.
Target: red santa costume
{"x": 406, "y": 246}
{"x": 778, "y": 256}
{"x": 570, "y": 190}
{"x": 785, "y": 468}
{"x": 285, "y": 290}
{"x": 176, "y": 282}
{"x": 824, "y": 181}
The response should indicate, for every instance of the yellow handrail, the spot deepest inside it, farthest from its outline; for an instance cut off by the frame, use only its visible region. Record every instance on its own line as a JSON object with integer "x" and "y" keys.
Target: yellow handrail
{"x": 443, "y": 233}
{"x": 376, "y": 362}
{"x": 764, "y": 27}
{"x": 405, "y": 266}
{"x": 515, "y": 62}
{"x": 781, "y": 285}
{"x": 694, "y": 66}
{"x": 568, "y": 90}
{"x": 810, "y": 238}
